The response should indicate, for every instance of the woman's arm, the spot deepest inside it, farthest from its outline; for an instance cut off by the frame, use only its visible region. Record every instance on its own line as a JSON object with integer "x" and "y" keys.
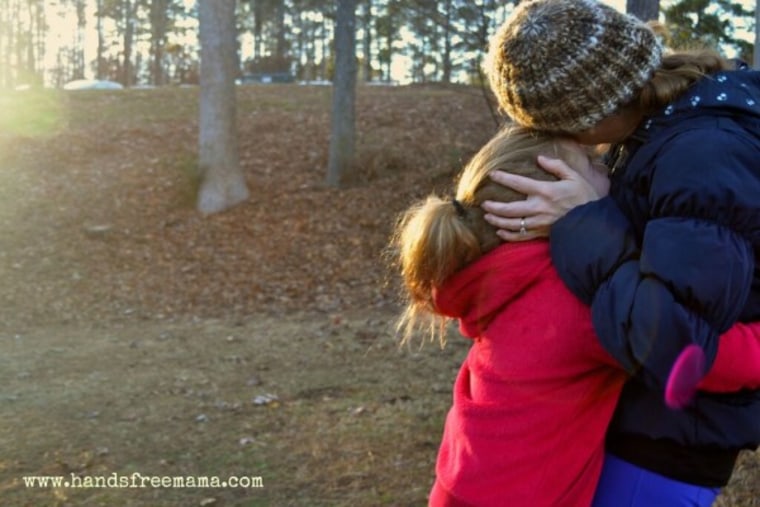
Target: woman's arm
{"x": 689, "y": 279}
{"x": 642, "y": 304}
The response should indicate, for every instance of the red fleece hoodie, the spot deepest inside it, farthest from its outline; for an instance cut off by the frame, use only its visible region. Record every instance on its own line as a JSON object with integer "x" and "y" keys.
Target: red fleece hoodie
{"x": 534, "y": 397}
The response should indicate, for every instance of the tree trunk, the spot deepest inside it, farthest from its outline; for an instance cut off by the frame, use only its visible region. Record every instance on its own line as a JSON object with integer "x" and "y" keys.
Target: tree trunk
{"x": 447, "y": 67}
{"x": 129, "y": 32}
{"x": 343, "y": 129}
{"x": 756, "y": 51}
{"x": 4, "y": 64}
{"x": 281, "y": 48}
{"x": 258, "y": 25}
{"x": 41, "y": 37}
{"x": 79, "y": 63}
{"x": 367, "y": 44}
{"x": 30, "y": 58}
{"x": 101, "y": 64}
{"x": 11, "y": 44}
{"x": 645, "y": 10}
{"x": 159, "y": 22}
{"x": 323, "y": 49}
{"x": 223, "y": 183}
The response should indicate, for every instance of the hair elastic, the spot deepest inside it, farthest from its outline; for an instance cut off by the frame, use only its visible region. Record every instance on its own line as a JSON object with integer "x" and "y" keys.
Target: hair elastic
{"x": 461, "y": 212}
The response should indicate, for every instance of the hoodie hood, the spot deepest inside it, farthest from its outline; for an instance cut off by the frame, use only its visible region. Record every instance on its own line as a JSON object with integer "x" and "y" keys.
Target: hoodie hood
{"x": 483, "y": 288}
{"x": 734, "y": 94}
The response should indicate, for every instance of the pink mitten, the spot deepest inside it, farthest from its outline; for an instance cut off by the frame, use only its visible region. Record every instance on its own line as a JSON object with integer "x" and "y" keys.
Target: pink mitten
{"x": 687, "y": 372}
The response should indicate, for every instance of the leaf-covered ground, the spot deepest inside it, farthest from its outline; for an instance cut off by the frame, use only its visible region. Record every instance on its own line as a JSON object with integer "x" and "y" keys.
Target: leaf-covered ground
{"x": 139, "y": 336}
{"x": 109, "y": 227}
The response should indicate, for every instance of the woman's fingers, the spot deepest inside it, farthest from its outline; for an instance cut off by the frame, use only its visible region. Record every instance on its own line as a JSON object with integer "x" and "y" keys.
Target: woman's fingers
{"x": 507, "y": 224}
{"x": 519, "y": 229}
{"x": 527, "y": 186}
{"x": 557, "y": 167}
{"x": 500, "y": 222}
{"x": 529, "y": 222}
{"x": 545, "y": 201}
{"x": 508, "y": 210}
{"x": 510, "y": 235}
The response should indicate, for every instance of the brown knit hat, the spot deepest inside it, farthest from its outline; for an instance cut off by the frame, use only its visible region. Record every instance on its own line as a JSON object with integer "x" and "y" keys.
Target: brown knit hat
{"x": 564, "y": 65}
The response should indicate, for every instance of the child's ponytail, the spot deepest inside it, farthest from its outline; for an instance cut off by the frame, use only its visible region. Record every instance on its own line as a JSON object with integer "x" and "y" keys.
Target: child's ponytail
{"x": 433, "y": 240}
{"x": 437, "y": 237}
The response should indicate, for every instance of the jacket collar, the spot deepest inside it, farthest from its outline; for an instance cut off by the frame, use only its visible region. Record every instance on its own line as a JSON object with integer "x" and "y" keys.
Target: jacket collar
{"x": 734, "y": 93}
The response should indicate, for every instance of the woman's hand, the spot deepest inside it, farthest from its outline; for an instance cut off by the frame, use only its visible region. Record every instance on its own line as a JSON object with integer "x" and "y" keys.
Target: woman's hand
{"x": 546, "y": 201}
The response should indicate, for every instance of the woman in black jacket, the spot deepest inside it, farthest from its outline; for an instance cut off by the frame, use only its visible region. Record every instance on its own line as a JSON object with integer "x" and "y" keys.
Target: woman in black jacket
{"x": 671, "y": 258}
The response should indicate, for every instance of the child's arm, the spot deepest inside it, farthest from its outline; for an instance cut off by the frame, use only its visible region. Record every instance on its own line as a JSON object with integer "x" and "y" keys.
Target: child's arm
{"x": 736, "y": 367}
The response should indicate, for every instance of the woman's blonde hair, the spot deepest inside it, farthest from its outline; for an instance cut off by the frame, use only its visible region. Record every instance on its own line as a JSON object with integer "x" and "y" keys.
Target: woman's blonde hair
{"x": 437, "y": 237}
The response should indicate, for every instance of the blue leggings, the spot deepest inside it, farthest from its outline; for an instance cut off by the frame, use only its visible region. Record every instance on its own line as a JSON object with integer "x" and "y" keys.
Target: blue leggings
{"x": 625, "y": 485}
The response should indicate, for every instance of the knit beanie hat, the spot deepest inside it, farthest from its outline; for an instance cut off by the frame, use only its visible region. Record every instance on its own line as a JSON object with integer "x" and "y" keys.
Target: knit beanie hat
{"x": 564, "y": 65}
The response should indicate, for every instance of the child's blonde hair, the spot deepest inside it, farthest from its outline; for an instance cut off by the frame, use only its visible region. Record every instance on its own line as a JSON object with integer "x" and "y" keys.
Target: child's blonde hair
{"x": 437, "y": 237}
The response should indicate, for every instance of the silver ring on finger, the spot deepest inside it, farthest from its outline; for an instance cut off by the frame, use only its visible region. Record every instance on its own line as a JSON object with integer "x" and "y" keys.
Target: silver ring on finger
{"x": 523, "y": 229}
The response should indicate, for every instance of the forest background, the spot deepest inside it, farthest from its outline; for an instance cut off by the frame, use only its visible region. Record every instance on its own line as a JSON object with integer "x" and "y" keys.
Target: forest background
{"x": 139, "y": 336}
{"x": 155, "y": 42}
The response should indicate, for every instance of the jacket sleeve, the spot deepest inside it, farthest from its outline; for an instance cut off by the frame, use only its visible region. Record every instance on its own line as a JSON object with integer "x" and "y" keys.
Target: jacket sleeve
{"x": 737, "y": 365}
{"x": 590, "y": 243}
{"x": 690, "y": 277}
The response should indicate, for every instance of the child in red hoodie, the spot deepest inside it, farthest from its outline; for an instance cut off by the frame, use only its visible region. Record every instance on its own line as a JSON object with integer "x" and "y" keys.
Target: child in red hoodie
{"x": 536, "y": 392}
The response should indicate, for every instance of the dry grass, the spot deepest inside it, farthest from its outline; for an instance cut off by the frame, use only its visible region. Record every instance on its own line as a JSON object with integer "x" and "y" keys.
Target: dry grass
{"x": 355, "y": 422}
{"x": 137, "y": 336}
